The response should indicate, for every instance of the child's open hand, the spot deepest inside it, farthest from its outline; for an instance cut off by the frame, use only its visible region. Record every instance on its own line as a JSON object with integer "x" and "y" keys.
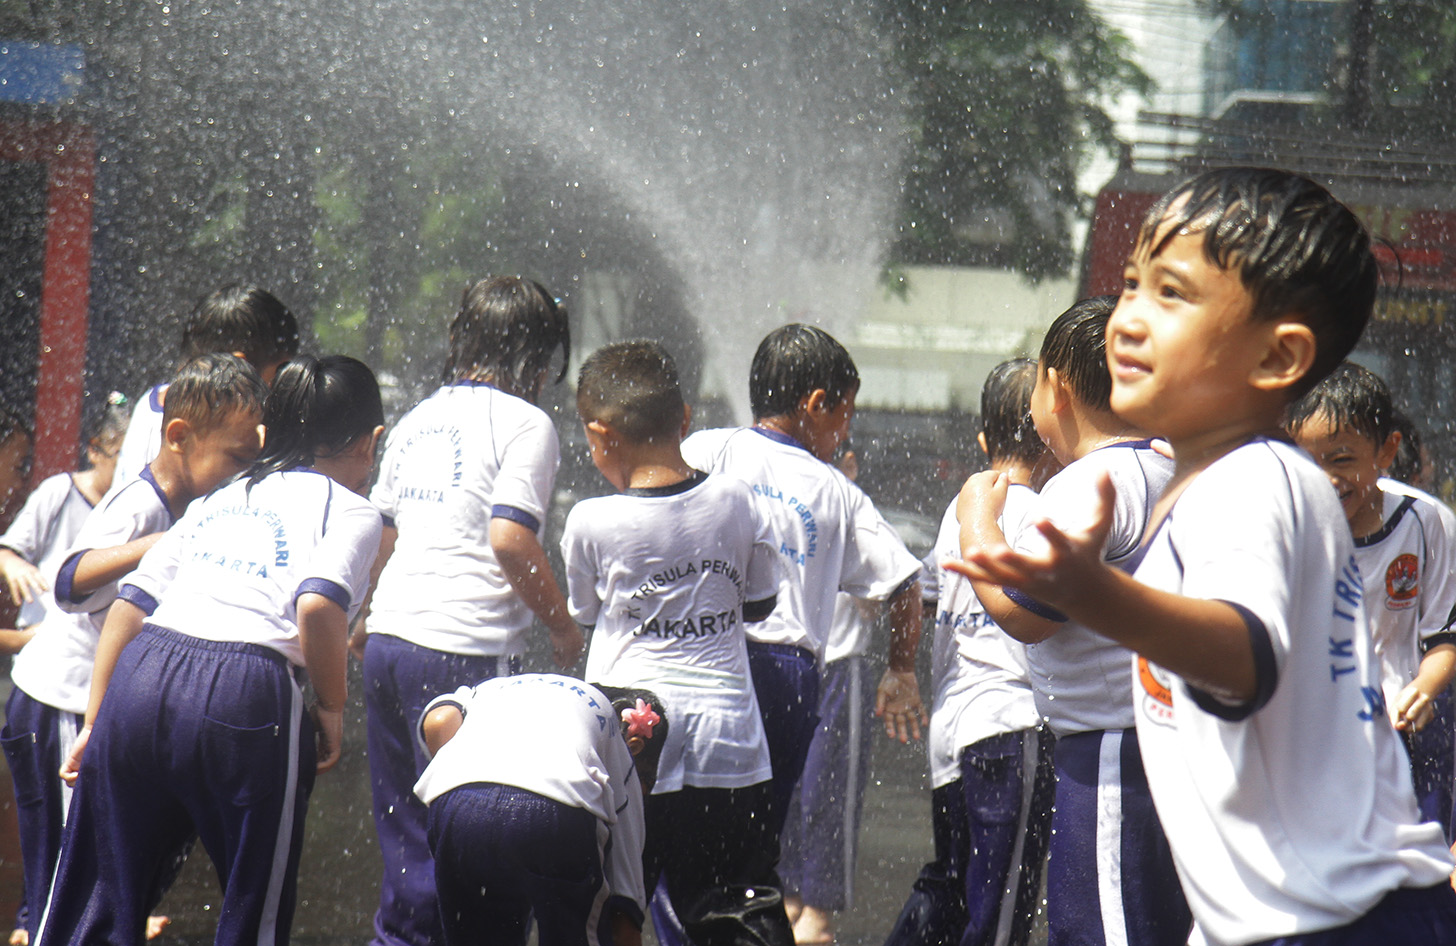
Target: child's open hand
{"x": 1066, "y": 574}
{"x": 23, "y": 581}
{"x": 71, "y": 768}
{"x": 897, "y": 702}
{"x": 1413, "y": 709}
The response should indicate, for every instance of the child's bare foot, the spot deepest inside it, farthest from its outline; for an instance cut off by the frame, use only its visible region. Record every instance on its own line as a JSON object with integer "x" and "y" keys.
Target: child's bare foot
{"x": 156, "y": 924}
{"x": 813, "y": 926}
{"x": 20, "y": 936}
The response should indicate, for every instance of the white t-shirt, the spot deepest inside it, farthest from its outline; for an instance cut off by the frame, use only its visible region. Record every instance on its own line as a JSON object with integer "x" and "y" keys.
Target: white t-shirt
{"x": 42, "y": 533}
{"x": 55, "y": 667}
{"x": 235, "y": 565}
{"x": 557, "y": 737}
{"x": 463, "y": 455}
{"x": 980, "y": 685}
{"x": 1295, "y": 813}
{"x": 1410, "y": 589}
{"x": 143, "y": 440}
{"x": 1081, "y": 678}
{"x": 829, "y": 536}
{"x": 663, "y": 576}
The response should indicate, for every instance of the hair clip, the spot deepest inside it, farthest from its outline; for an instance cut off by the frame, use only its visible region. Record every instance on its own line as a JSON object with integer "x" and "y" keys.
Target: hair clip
{"x": 116, "y": 399}
{"x": 641, "y": 719}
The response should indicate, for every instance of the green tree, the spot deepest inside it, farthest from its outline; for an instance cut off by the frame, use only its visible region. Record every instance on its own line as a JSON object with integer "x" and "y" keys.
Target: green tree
{"x": 1006, "y": 102}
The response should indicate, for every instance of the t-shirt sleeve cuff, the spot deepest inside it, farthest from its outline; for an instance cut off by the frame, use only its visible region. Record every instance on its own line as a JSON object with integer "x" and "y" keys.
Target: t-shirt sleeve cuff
{"x": 1437, "y": 639}
{"x": 518, "y": 516}
{"x": 754, "y": 611}
{"x": 1266, "y": 674}
{"x": 332, "y": 590}
{"x": 439, "y": 701}
{"x": 617, "y": 903}
{"x": 1023, "y": 600}
{"x": 138, "y": 597}
{"x": 66, "y": 578}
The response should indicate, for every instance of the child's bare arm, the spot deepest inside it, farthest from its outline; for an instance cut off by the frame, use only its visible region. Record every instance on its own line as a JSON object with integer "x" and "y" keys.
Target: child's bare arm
{"x": 11, "y": 642}
{"x": 1203, "y": 641}
{"x": 323, "y": 633}
{"x": 23, "y": 581}
{"x": 1413, "y": 707}
{"x": 897, "y": 700}
{"x": 978, "y": 509}
{"x": 123, "y": 623}
{"x": 99, "y": 567}
{"x": 440, "y": 726}
{"x": 527, "y": 569}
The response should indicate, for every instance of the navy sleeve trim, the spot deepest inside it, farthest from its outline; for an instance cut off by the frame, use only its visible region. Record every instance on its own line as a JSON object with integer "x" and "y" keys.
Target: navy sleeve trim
{"x": 754, "y": 611}
{"x": 617, "y": 903}
{"x": 1266, "y": 674}
{"x": 1436, "y": 640}
{"x": 140, "y": 598}
{"x": 1023, "y": 600}
{"x": 389, "y": 522}
{"x": 518, "y": 516}
{"x": 66, "y": 578}
{"x": 332, "y": 590}
{"x": 904, "y": 586}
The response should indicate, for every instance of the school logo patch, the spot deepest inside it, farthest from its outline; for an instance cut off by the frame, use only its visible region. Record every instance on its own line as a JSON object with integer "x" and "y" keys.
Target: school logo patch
{"x": 1157, "y": 691}
{"x": 1402, "y": 582}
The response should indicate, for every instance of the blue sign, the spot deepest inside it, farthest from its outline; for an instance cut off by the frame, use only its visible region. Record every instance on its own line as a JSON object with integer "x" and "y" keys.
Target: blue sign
{"x": 40, "y": 73}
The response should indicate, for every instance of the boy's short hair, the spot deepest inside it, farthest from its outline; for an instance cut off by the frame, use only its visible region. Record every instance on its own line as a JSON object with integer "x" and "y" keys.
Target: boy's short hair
{"x": 1298, "y": 251}
{"x": 1006, "y": 412}
{"x": 238, "y": 318}
{"x": 1076, "y": 345}
{"x": 508, "y": 327}
{"x": 792, "y": 362}
{"x": 210, "y": 387}
{"x": 633, "y": 387}
{"x": 1350, "y": 396}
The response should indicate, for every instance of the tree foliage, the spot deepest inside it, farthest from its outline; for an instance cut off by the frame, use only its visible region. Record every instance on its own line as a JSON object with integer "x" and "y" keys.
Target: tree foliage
{"x": 1006, "y": 101}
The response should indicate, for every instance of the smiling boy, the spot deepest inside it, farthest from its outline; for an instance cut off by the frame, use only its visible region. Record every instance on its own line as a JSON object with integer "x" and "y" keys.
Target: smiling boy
{"x": 1277, "y": 776}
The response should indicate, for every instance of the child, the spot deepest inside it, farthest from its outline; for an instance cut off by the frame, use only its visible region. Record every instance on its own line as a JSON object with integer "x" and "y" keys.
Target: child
{"x": 30, "y": 550}
{"x": 1109, "y": 873}
{"x": 521, "y": 824}
{"x": 464, "y": 488}
{"x": 15, "y": 453}
{"x": 667, "y": 574}
{"x": 1279, "y": 780}
{"x": 1347, "y": 423}
{"x": 243, "y": 320}
{"x": 196, "y": 705}
{"x": 211, "y": 434}
{"x": 990, "y": 761}
{"x": 830, "y": 538}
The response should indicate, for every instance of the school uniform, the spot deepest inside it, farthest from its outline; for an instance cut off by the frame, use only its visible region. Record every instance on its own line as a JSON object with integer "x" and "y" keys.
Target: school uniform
{"x": 1109, "y": 874}
{"x": 204, "y": 727}
{"x": 1291, "y": 816}
{"x": 830, "y": 538}
{"x": 990, "y": 769}
{"x": 667, "y": 579}
{"x": 443, "y": 615}
{"x": 143, "y": 440}
{"x": 534, "y": 804}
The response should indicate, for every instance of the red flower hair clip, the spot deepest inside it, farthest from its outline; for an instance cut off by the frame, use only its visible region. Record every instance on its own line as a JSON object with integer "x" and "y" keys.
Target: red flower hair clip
{"x": 641, "y": 719}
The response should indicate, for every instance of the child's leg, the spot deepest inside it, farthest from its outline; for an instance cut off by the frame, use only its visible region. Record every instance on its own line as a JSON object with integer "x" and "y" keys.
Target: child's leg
{"x": 36, "y": 737}
{"x": 1110, "y": 875}
{"x": 786, "y": 682}
{"x": 1433, "y": 765}
{"x": 500, "y": 851}
{"x": 400, "y": 678}
{"x": 935, "y": 912}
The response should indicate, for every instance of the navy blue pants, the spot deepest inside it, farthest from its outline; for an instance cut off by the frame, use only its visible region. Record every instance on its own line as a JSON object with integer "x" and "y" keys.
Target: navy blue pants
{"x": 1405, "y": 916}
{"x": 1432, "y": 754}
{"x": 503, "y": 853}
{"x": 35, "y": 738}
{"x": 990, "y": 829}
{"x": 193, "y": 735}
{"x": 821, "y": 833}
{"x": 786, "y": 682}
{"x": 1110, "y": 874}
{"x": 400, "y": 679}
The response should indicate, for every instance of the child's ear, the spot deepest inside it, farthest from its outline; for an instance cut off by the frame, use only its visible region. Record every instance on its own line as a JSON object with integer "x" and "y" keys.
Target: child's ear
{"x": 1385, "y": 456}
{"x": 598, "y": 431}
{"x": 635, "y": 745}
{"x": 1061, "y": 395}
{"x": 815, "y": 402}
{"x": 175, "y": 433}
{"x": 981, "y": 440}
{"x": 1287, "y": 358}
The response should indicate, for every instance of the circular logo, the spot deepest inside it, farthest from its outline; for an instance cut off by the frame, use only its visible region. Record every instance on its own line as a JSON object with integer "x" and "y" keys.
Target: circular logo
{"x": 1402, "y": 582}
{"x": 1157, "y": 686}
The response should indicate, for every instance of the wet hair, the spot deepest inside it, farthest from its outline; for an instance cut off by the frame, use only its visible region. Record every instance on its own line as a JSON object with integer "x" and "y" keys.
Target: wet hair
{"x": 506, "y": 330}
{"x": 1350, "y": 396}
{"x": 316, "y": 408}
{"x": 109, "y": 423}
{"x": 633, "y": 387}
{"x": 1408, "y": 462}
{"x": 1006, "y": 412}
{"x": 239, "y": 318}
{"x": 1076, "y": 345}
{"x": 792, "y": 362}
{"x": 210, "y": 387}
{"x": 626, "y": 698}
{"x": 1298, "y": 251}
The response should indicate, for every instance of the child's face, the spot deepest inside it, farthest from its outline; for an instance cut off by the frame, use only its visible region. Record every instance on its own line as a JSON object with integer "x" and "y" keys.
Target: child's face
{"x": 1354, "y": 462}
{"x": 1181, "y": 344}
{"x": 216, "y": 455}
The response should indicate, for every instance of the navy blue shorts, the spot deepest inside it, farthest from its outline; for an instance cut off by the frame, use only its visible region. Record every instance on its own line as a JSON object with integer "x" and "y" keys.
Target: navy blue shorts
{"x": 1405, "y": 917}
